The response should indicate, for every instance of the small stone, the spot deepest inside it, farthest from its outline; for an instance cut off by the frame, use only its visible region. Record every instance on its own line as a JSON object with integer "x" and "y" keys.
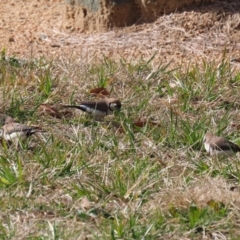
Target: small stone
{"x": 11, "y": 39}
{"x": 43, "y": 37}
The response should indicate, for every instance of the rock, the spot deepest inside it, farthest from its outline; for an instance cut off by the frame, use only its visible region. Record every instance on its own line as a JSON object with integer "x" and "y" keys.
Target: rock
{"x": 98, "y": 15}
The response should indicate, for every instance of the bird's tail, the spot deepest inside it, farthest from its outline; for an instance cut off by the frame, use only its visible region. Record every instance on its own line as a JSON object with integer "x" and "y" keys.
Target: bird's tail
{"x": 35, "y": 129}
{"x": 75, "y": 106}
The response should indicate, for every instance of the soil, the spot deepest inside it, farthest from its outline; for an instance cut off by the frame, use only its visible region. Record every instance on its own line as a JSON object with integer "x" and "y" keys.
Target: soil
{"x": 35, "y": 28}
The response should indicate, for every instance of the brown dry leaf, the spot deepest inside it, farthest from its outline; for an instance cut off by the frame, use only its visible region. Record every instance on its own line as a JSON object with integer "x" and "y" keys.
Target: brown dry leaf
{"x": 54, "y": 112}
{"x": 49, "y": 110}
{"x": 100, "y": 91}
{"x": 139, "y": 124}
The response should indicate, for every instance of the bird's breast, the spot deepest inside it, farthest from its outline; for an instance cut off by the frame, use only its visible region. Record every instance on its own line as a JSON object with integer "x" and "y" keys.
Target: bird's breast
{"x": 14, "y": 135}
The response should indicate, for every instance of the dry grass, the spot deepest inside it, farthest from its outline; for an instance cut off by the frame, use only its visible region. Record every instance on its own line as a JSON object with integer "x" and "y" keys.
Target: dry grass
{"x": 88, "y": 180}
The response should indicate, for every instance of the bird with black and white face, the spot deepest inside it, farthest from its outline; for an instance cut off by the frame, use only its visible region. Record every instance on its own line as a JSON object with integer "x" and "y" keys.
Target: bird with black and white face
{"x": 219, "y": 146}
{"x": 98, "y": 108}
{"x": 13, "y": 132}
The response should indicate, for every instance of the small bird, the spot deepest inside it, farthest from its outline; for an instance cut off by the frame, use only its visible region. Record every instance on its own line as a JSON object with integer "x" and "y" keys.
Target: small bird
{"x": 15, "y": 132}
{"x": 4, "y": 119}
{"x": 219, "y": 146}
{"x": 98, "y": 108}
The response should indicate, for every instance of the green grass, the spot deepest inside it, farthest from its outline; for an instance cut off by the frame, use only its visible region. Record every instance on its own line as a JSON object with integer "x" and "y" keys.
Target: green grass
{"x": 88, "y": 180}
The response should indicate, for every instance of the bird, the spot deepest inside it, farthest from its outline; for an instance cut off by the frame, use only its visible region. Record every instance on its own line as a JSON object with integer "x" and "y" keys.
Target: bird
{"x": 219, "y": 146}
{"x": 4, "y": 119}
{"x": 98, "y": 108}
{"x": 14, "y": 132}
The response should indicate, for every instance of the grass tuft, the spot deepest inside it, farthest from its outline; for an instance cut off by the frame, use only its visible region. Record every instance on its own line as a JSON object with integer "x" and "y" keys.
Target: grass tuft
{"x": 140, "y": 174}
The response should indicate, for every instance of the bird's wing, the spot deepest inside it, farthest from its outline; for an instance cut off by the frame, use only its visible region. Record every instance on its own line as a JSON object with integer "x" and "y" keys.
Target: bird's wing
{"x": 100, "y": 105}
{"x": 225, "y": 145}
{"x": 17, "y": 127}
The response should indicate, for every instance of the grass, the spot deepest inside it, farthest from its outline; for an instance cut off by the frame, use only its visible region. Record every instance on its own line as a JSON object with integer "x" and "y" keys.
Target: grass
{"x": 88, "y": 180}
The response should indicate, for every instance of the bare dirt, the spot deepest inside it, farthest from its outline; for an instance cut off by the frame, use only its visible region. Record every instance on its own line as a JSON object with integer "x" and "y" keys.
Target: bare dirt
{"x": 36, "y": 28}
